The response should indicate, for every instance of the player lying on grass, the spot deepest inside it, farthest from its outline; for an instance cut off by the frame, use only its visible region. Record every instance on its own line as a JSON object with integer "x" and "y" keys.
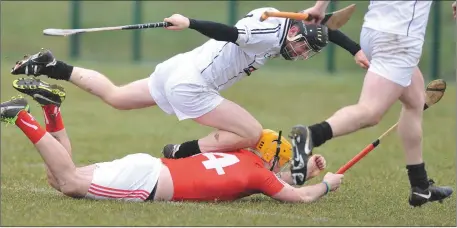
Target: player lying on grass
{"x": 142, "y": 177}
{"x": 188, "y": 84}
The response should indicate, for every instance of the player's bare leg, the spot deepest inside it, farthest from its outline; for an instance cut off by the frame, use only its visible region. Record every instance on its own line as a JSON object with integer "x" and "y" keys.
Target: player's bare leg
{"x": 237, "y": 129}
{"x": 410, "y": 132}
{"x": 377, "y": 96}
{"x": 50, "y": 98}
{"x": 56, "y": 158}
{"x": 131, "y": 96}
{"x": 134, "y": 95}
{"x": 410, "y": 122}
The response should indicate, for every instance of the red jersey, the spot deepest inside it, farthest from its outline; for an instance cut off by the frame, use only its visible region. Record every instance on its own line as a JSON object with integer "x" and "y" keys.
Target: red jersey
{"x": 221, "y": 176}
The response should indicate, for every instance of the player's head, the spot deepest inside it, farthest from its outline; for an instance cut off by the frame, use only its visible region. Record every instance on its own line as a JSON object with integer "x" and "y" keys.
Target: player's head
{"x": 267, "y": 149}
{"x": 304, "y": 40}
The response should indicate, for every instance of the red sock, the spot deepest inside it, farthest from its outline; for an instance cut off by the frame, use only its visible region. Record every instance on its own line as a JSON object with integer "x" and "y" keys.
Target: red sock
{"x": 52, "y": 118}
{"x": 30, "y": 126}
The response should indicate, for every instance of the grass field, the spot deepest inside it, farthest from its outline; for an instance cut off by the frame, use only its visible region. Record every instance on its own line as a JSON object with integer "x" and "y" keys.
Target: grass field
{"x": 374, "y": 193}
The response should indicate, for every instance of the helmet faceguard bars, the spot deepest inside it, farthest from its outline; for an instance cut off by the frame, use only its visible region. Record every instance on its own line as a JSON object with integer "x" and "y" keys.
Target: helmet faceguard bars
{"x": 309, "y": 40}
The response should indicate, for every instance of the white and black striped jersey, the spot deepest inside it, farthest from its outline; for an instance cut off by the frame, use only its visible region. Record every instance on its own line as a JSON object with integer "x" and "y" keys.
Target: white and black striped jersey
{"x": 223, "y": 63}
{"x": 407, "y": 18}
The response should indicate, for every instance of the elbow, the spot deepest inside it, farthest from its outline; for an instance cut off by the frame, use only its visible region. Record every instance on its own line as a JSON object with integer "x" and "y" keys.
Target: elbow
{"x": 232, "y": 35}
{"x": 307, "y": 199}
{"x": 302, "y": 196}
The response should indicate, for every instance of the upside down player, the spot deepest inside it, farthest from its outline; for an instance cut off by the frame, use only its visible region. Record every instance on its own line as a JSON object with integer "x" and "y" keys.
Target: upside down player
{"x": 141, "y": 177}
{"x": 188, "y": 84}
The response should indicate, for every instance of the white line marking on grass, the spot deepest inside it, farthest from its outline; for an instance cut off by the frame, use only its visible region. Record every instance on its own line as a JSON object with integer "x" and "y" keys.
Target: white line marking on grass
{"x": 31, "y": 189}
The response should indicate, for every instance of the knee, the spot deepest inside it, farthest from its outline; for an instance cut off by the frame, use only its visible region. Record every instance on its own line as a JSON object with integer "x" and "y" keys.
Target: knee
{"x": 52, "y": 181}
{"x": 72, "y": 189}
{"x": 115, "y": 100}
{"x": 417, "y": 103}
{"x": 70, "y": 186}
{"x": 254, "y": 133}
{"x": 114, "y": 103}
{"x": 372, "y": 116}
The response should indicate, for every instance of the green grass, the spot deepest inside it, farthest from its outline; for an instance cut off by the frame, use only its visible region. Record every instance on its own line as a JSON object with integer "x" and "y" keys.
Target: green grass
{"x": 374, "y": 192}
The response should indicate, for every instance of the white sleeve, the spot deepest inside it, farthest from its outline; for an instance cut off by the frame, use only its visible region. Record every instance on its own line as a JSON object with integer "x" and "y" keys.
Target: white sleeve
{"x": 255, "y": 36}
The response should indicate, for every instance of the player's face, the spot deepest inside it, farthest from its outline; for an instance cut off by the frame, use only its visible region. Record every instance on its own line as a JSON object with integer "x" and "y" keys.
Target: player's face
{"x": 298, "y": 50}
{"x": 296, "y": 45}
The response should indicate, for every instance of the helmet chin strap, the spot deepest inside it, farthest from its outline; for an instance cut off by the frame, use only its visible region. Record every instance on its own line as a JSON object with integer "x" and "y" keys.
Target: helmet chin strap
{"x": 278, "y": 149}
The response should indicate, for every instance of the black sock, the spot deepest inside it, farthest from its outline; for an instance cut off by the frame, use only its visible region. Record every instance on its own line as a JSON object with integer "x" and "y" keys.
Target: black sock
{"x": 188, "y": 149}
{"x": 321, "y": 132}
{"x": 61, "y": 71}
{"x": 417, "y": 176}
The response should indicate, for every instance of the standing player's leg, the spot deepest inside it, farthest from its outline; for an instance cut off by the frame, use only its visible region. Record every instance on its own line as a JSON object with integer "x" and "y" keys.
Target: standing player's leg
{"x": 391, "y": 69}
{"x": 134, "y": 95}
{"x": 410, "y": 132}
{"x": 410, "y": 121}
{"x": 377, "y": 96}
{"x": 56, "y": 158}
{"x": 394, "y": 60}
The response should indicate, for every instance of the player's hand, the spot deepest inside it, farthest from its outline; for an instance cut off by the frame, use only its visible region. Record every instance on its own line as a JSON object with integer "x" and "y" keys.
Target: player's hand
{"x": 362, "y": 60}
{"x": 317, "y": 13}
{"x": 334, "y": 180}
{"x": 179, "y": 22}
{"x": 454, "y": 8}
{"x": 316, "y": 164}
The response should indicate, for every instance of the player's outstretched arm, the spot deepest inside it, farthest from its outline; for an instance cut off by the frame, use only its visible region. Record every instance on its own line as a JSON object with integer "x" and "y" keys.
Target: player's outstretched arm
{"x": 310, "y": 193}
{"x": 316, "y": 164}
{"x": 214, "y": 30}
{"x": 339, "y": 38}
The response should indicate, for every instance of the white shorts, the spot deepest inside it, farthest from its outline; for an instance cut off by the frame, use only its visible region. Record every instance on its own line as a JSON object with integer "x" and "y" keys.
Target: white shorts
{"x": 178, "y": 88}
{"x": 131, "y": 178}
{"x": 391, "y": 56}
